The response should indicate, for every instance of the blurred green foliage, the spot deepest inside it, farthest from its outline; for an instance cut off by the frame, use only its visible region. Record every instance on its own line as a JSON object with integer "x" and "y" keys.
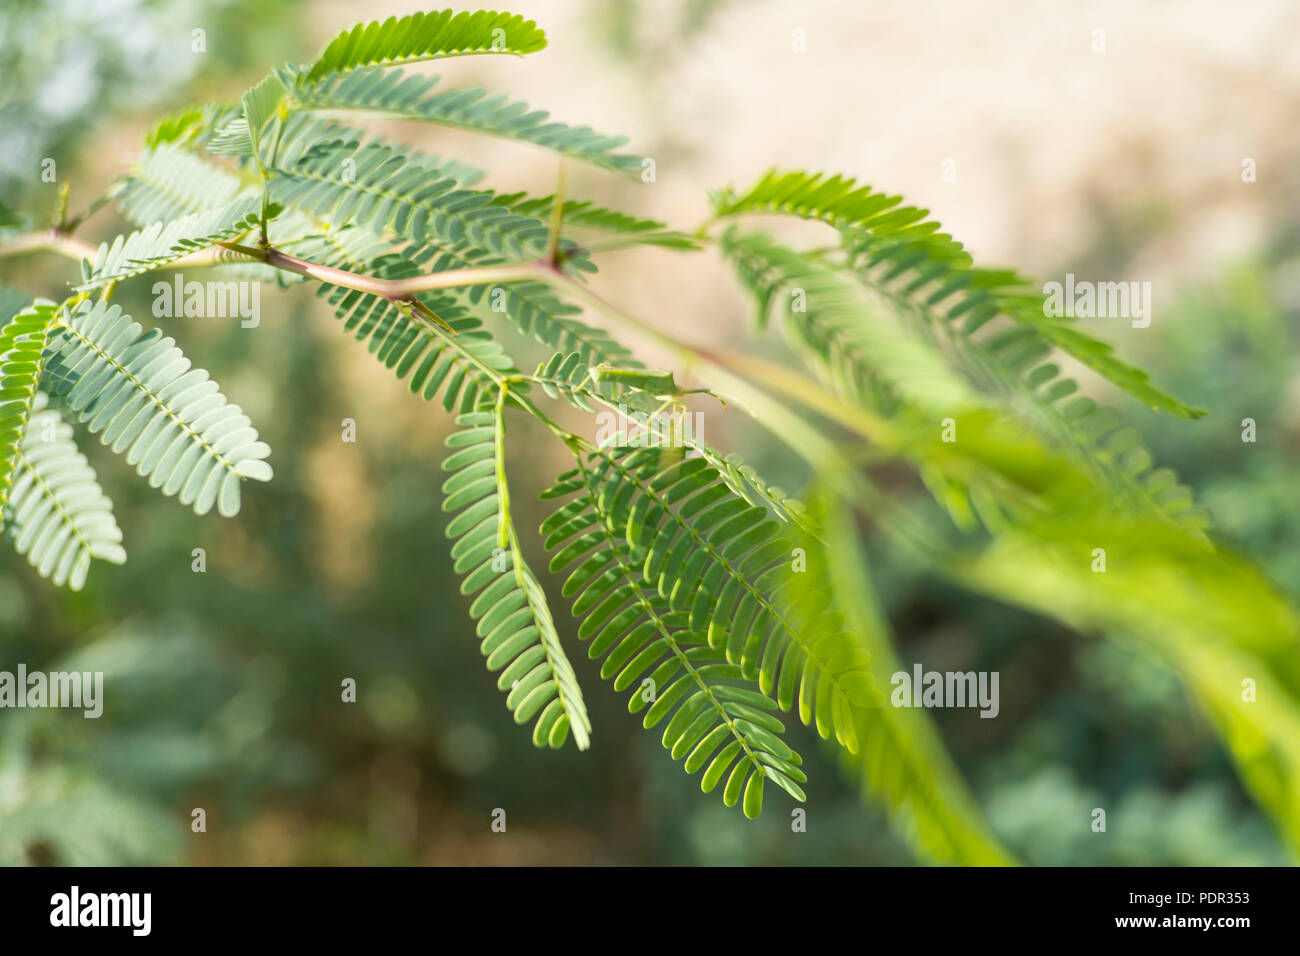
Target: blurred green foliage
{"x": 68, "y": 64}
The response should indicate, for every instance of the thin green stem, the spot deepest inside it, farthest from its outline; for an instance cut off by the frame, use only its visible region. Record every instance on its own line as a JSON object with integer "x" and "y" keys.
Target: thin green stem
{"x": 266, "y": 183}
{"x": 557, "y": 218}
{"x": 507, "y": 536}
{"x": 60, "y": 220}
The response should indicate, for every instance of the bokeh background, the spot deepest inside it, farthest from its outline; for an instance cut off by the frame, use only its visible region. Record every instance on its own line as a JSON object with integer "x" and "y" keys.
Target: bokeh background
{"x": 223, "y": 687}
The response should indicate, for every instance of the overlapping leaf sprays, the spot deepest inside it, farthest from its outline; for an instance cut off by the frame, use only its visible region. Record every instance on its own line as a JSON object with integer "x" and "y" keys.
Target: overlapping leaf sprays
{"x": 716, "y": 602}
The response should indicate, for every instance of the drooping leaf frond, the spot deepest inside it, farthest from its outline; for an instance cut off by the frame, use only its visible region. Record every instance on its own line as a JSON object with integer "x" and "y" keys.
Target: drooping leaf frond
{"x": 22, "y": 344}
{"x": 830, "y": 332}
{"x": 830, "y": 320}
{"x": 161, "y": 243}
{"x": 169, "y": 420}
{"x": 717, "y": 715}
{"x": 56, "y": 514}
{"x": 897, "y": 266}
{"x": 902, "y": 762}
{"x": 900, "y": 251}
{"x": 1206, "y": 613}
{"x": 724, "y": 562}
{"x": 514, "y": 621}
{"x": 428, "y": 36}
{"x": 393, "y": 93}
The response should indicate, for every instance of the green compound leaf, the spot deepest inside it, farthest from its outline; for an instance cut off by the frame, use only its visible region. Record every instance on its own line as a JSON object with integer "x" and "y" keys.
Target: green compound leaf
{"x": 514, "y": 620}
{"x": 57, "y": 515}
{"x": 428, "y": 36}
{"x": 136, "y": 389}
{"x": 22, "y": 346}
